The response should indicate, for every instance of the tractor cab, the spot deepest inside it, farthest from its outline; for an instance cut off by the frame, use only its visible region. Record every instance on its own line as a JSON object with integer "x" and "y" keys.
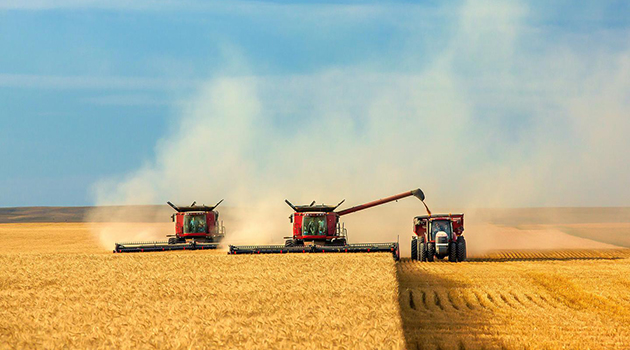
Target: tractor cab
{"x": 197, "y": 222}
{"x": 315, "y": 224}
{"x": 441, "y": 228}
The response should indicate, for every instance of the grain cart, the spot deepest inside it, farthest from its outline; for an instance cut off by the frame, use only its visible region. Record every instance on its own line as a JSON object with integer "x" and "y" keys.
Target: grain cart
{"x": 438, "y": 236}
{"x": 197, "y": 227}
{"x": 316, "y": 229}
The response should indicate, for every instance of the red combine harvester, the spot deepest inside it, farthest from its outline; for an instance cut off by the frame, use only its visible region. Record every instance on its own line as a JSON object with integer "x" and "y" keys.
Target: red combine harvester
{"x": 316, "y": 229}
{"x": 196, "y": 227}
{"x": 438, "y": 236}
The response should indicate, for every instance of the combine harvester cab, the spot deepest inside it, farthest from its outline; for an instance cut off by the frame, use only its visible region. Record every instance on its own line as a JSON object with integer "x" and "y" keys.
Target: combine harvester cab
{"x": 196, "y": 228}
{"x": 316, "y": 229}
{"x": 438, "y": 236}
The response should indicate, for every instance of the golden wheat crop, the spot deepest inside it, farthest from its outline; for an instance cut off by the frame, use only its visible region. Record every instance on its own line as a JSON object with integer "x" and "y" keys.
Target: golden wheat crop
{"x": 59, "y": 289}
{"x": 191, "y": 299}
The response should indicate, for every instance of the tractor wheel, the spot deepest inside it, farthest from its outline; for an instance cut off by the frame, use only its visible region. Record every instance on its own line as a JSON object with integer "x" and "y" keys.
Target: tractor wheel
{"x": 422, "y": 253}
{"x": 461, "y": 248}
{"x": 452, "y": 252}
{"x": 414, "y": 249}
{"x": 289, "y": 243}
{"x": 430, "y": 252}
{"x": 172, "y": 240}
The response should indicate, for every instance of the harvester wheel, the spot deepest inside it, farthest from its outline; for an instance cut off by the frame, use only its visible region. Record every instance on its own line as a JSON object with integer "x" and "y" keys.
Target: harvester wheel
{"x": 422, "y": 253}
{"x": 452, "y": 252}
{"x": 430, "y": 252}
{"x": 289, "y": 243}
{"x": 461, "y": 248}
{"x": 172, "y": 240}
{"x": 414, "y": 249}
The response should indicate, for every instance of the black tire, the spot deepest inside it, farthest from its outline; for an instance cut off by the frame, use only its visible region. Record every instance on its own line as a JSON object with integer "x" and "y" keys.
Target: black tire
{"x": 461, "y": 248}
{"x": 289, "y": 243}
{"x": 414, "y": 249}
{"x": 422, "y": 253}
{"x": 172, "y": 240}
{"x": 430, "y": 252}
{"x": 452, "y": 252}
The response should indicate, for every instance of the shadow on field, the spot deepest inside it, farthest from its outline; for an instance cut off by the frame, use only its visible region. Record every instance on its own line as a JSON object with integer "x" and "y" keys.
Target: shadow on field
{"x": 436, "y": 313}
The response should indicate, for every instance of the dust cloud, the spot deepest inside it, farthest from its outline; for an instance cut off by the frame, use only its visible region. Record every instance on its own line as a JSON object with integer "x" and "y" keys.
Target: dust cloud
{"x": 474, "y": 126}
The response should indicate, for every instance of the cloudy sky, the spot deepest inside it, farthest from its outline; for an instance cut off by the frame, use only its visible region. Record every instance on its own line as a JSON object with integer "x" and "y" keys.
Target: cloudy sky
{"x": 479, "y": 103}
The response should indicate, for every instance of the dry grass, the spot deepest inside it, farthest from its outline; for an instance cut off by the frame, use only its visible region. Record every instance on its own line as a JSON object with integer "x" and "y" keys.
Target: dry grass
{"x": 189, "y": 299}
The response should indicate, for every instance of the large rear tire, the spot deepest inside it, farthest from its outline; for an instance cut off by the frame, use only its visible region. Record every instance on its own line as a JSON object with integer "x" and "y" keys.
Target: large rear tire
{"x": 461, "y": 248}
{"x": 452, "y": 252}
{"x": 289, "y": 243}
{"x": 422, "y": 252}
{"x": 172, "y": 240}
{"x": 414, "y": 248}
{"x": 430, "y": 252}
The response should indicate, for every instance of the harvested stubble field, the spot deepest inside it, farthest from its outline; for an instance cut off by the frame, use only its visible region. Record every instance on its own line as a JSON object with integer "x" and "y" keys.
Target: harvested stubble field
{"x": 58, "y": 288}
{"x": 531, "y": 300}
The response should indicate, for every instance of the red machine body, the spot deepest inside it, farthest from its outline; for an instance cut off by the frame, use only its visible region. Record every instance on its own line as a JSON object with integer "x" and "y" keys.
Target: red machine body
{"x": 316, "y": 226}
{"x": 197, "y": 225}
{"x": 422, "y": 224}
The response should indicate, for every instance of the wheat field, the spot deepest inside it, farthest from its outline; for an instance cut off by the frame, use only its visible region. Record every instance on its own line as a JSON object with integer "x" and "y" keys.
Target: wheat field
{"x": 531, "y": 300}
{"x": 58, "y": 288}
{"x": 189, "y": 299}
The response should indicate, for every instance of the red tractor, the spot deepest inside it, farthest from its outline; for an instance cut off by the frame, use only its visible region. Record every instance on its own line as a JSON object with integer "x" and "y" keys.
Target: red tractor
{"x": 196, "y": 227}
{"x": 316, "y": 229}
{"x": 438, "y": 236}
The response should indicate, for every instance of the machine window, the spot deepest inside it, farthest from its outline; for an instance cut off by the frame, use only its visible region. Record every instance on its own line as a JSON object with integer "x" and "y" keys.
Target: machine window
{"x": 195, "y": 224}
{"x": 440, "y": 225}
{"x": 314, "y": 226}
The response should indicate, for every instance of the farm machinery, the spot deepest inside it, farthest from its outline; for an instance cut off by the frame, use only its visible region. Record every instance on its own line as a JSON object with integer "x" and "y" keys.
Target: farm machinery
{"x": 438, "y": 236}
{"x": 316, "y": 229}
{"x": 197, "y": 227}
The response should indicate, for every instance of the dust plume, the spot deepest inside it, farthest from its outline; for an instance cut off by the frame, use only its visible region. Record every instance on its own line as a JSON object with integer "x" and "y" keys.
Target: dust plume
{"x": 485, "y": 121}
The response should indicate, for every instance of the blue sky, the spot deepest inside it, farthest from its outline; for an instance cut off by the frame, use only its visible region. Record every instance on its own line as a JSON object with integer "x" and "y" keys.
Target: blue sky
{"x": 90, "y": 91}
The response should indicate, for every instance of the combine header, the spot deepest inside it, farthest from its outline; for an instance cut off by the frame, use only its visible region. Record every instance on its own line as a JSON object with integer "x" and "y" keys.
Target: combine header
{"x": 196, "y": 228}
{"x": 316, "y": 229}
